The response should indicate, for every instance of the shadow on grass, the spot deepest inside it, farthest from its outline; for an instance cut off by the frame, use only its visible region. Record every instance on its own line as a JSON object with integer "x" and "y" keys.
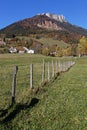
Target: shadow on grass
{"x": 3, "y": 112}
{"x": 16, "y": 109}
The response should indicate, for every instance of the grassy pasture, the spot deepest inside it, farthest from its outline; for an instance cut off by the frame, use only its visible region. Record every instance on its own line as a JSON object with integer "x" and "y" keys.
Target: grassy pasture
{"x": 59, "y": 105}
{"x": 7, "y": 62}
{"x": 50, "y": 42}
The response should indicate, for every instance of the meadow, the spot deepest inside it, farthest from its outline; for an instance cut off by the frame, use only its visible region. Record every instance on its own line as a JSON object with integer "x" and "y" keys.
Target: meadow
{"x": 50, "y": 42}
{"x": 60, "y": 104}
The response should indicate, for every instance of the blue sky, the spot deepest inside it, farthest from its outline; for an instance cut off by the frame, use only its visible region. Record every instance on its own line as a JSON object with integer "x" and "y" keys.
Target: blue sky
{"x": 75, "y": 11}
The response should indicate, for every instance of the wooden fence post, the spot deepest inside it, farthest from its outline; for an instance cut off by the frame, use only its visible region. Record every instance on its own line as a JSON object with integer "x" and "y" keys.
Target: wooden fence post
{"x": 31, "y": 76}
{"x": 62, "y": 66}
{"x": 59, "y": 66}
{"x": 48, "y": 71}
{"x": 52, "y": 68}
{"x": 43, "y": 71}
{"x": 14, "y": 84}
{"x": 56, "y": 67}
{"x": 65, "y": 65}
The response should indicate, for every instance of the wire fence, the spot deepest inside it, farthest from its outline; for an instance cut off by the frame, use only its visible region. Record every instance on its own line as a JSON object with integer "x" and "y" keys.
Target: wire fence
{"x": 28, "y": 77}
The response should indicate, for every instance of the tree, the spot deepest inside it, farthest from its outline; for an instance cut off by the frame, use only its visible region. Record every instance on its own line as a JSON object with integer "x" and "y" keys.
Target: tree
{"x": 28, "y": 43}
{"x": 45, "y": 51}
{"x": 82, "y": 46}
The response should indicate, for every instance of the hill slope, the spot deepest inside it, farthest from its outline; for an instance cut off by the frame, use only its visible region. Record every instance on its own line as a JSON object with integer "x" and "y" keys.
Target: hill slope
{"x": 42, "y": 23}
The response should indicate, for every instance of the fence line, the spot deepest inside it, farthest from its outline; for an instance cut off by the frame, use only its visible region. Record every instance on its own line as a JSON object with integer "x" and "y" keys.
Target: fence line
{"x": 38, "y": 74}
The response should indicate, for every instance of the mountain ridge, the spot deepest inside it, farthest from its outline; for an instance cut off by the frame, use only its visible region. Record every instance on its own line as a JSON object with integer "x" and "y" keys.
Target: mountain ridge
{"x": 59, "y": 18}
{"x": 42, "y": 23}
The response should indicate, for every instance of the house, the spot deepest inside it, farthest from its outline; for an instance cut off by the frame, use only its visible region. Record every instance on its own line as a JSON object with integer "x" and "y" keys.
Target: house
{"x": 12, "y": 50}
{"x": 29, "y": 51}
{"x": 2, "y": 43}
{"x": 20, "y": 50}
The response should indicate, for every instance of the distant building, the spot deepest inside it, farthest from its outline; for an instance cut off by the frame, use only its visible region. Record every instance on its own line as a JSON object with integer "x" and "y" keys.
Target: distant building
{"x": 20, "y": 50}
{"x": 12, "y": 50}
{"x": 30, "y": 51}
{"x": 2, "y": 43}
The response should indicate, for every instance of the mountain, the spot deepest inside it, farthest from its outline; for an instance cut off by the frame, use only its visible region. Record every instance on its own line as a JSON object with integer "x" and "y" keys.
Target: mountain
{"x": 42, "y": 24}
{"x": 59, "y": 18}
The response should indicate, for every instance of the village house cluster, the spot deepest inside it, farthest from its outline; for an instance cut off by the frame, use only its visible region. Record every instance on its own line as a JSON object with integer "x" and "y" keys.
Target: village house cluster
{"x": 17, "y": 49}
{"x": 21, "y": 50}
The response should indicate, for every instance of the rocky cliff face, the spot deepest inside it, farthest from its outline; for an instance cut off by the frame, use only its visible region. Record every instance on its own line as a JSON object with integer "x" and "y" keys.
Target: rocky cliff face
{"x": 49, "y": 25}
{"x": 51, "y": 22}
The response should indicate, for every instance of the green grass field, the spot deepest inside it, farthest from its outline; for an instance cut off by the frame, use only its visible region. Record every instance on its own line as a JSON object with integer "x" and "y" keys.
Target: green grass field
{"x": 60, "y": 104}
{"x": 50, "y": 42}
